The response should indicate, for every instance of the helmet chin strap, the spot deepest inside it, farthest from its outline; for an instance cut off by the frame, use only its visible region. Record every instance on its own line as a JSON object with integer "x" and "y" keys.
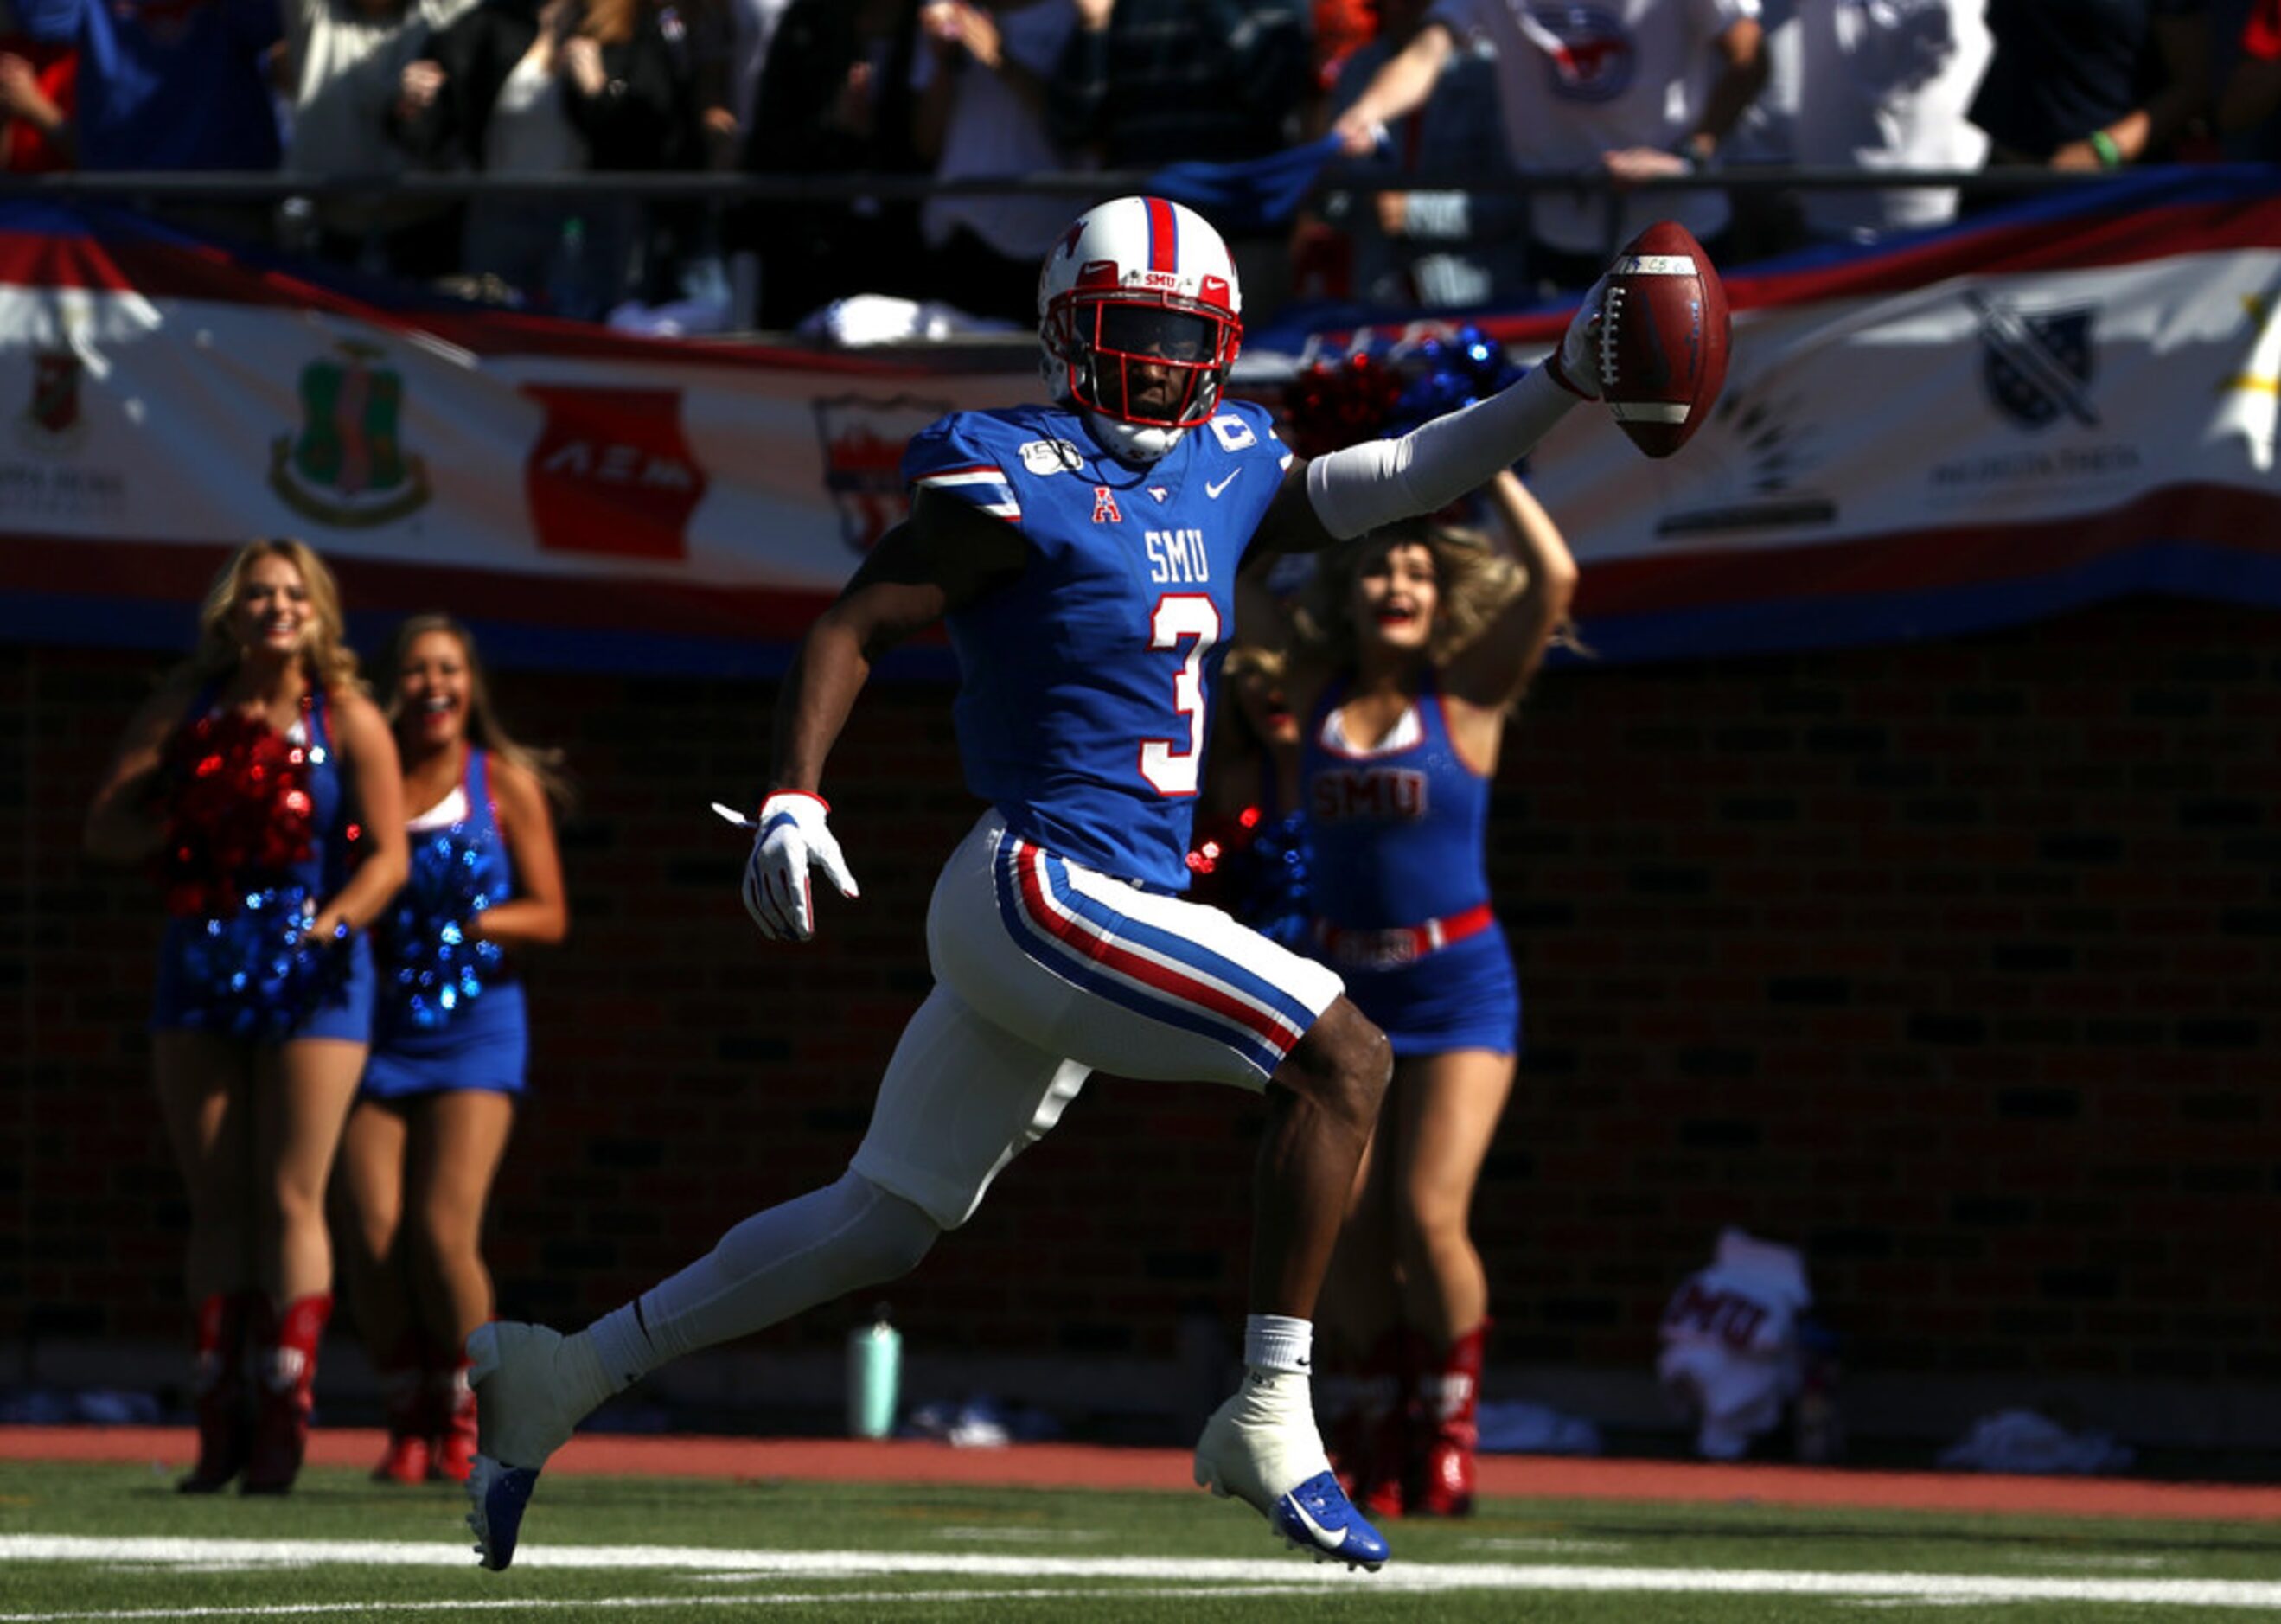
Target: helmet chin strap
{"x": 1133, "y": 442}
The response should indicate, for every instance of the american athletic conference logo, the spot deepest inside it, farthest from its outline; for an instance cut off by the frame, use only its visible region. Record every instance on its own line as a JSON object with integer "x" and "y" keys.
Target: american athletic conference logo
{"x": 347, "y": 467}
{"x": 1588, "y": 54}
{"x": 2037, "y": 368}
{"x": 862, "y": 443}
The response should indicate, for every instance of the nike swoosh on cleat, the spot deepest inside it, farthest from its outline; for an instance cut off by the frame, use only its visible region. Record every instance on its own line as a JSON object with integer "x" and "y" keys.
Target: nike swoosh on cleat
{"x": 1213, "y": 490}
{"x": 1325, "y": 1539}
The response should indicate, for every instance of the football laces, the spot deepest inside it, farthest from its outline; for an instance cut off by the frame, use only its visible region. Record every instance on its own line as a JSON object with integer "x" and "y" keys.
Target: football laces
{"x": 1611, "y": 304}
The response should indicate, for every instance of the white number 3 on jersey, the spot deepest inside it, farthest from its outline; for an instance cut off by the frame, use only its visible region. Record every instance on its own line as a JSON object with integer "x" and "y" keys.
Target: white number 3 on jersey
{"x": 1171, "y": 769}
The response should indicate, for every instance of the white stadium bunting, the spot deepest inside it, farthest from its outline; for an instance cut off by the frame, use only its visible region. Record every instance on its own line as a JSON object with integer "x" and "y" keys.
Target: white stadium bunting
{"x": 2045, "y": 405}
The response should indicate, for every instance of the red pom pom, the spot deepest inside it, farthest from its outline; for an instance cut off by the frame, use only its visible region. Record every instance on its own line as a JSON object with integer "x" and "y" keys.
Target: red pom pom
{"x": 1336, "y": 403}
{"x": 239, "y": 815}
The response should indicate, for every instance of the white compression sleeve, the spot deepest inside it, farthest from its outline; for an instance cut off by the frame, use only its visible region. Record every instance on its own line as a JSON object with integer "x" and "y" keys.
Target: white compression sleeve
{"x": 1359, "y": 488}
{"x": 767, "y": 1268}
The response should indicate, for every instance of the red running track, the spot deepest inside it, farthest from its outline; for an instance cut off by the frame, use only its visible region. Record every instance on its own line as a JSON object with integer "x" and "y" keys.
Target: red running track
{"x": 1075, "y": 1465}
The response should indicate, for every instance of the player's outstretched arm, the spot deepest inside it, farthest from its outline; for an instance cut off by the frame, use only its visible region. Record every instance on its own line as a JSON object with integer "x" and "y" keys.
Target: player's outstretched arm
{"x": 1353, "y": 491}
{"x": 945, "y": 555}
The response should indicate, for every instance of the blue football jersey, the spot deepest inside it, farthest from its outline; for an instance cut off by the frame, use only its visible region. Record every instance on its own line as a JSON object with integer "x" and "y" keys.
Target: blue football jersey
{"x": 1086, "y": 683}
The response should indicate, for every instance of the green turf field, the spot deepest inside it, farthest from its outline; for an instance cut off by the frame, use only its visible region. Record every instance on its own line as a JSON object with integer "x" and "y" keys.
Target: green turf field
{"x": 114, "y": 1543}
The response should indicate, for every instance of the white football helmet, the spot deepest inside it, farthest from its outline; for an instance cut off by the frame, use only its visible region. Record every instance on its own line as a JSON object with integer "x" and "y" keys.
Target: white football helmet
{"x": 1141, "y": 319}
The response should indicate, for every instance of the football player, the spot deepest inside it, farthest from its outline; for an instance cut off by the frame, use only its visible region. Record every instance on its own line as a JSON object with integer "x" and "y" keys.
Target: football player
{"x": 1085, "y": 554}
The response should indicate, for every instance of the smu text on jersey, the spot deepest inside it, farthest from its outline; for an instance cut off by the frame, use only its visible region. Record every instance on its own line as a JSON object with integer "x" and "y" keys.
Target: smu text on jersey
{"x": 1384, "y": 794}
{"x": 1178, "y": 557}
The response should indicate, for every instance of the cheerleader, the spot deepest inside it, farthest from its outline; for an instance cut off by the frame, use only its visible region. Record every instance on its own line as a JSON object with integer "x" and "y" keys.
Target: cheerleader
{"x": 1415, "y": 644}
{"x": 450, "y": 1041}
{"x": 262, "y": 785}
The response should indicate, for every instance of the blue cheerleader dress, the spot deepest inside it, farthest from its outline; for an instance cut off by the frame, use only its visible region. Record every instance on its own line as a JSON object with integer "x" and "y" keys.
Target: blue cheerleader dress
{"x": 1400, "y": 883}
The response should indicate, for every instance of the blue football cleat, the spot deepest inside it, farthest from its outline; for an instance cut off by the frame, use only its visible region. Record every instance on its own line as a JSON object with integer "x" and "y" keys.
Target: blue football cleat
{"x": 521, "y": 1417}
{"x": 1318, "y": 1518}
{"x": 1264, "y": 1434}
{"x": 497, "y": 1498}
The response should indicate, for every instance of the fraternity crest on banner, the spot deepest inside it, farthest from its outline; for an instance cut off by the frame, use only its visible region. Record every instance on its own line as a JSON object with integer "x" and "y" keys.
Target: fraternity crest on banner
{"x": 51, "y": 421}
{"x": 862, "y": 443}
{"x": 348, "y": 466}
{"x": 2037, "y": 368}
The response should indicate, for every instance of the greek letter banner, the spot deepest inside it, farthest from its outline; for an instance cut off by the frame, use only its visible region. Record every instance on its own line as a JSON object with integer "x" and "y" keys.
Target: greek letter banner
{"x": 2056, "y": 403}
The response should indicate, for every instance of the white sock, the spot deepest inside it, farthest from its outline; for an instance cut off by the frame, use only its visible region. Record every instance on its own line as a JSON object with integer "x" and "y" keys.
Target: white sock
{"x": 1278, "y": 1342}
{"x": 1263, "y": 1442}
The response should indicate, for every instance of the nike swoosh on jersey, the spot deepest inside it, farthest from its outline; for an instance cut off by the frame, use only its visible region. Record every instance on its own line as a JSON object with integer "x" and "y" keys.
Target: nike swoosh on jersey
{"x": 1327, "y": 1540}
{"x": 1213, "y": 490}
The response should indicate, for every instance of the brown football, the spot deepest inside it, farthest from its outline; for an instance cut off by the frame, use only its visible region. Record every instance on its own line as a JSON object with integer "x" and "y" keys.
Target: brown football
{"x": 1663, "y": 338}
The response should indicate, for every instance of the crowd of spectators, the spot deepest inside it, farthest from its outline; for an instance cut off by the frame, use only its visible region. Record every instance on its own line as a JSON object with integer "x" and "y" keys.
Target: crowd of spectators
{"x": 808, "y": 90}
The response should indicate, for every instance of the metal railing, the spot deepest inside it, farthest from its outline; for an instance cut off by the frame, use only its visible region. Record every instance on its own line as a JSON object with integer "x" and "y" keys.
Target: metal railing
{"x": 253, "y": 186}
{"x": 155, "y": 190}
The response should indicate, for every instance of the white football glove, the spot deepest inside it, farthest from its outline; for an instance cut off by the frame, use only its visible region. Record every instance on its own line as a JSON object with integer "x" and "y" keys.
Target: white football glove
{"x": 791, "y": 839}
{"x": 1576, "y": 363}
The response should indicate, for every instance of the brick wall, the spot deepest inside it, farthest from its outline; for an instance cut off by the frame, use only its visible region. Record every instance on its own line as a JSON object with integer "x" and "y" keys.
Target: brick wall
{"x": 1955, "y": 964}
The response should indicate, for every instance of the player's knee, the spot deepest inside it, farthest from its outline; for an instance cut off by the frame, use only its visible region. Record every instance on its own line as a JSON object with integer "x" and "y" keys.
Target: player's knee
{"x": 1343, "y": 1064}
{"x": 888, "y": 1236}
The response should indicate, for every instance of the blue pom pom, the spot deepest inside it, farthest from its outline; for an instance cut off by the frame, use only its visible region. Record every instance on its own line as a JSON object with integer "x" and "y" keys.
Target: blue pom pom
{"x": 1270, "y": 884}
{"x": 256, "y": 973}
{"x": 1444, "y": 373}
{"x": 439, "y": 966}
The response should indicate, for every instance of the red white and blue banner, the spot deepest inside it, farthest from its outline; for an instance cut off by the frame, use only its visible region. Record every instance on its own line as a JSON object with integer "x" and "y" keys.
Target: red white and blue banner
{"x": 2057, "y": 403}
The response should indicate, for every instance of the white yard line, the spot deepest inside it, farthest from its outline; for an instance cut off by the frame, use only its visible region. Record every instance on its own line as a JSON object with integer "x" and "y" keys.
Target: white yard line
{"x": 557, "y": 1603}
{"x": 1182, "y": 1575}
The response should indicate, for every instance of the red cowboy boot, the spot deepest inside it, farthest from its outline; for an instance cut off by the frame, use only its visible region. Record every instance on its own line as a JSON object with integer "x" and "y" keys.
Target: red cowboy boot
{"x": 404, "y": 1402}
{"x": 1451, "y": 1397}
{"x": 451, "y": 1413}
{"x": 219, "y": 1391}
{"x": 1338, "y": 1398}
{"x": 284, "y": 1397}
{"x": 1386, "y": 1424}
